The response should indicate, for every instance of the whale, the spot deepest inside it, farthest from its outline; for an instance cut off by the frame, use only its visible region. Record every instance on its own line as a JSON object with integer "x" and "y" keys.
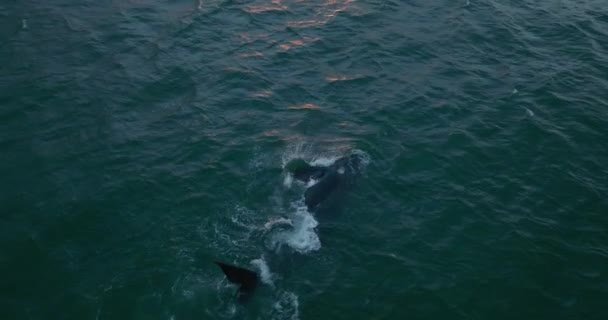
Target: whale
{"x": 246, "y": 280}
{"x": 328, "y": 178}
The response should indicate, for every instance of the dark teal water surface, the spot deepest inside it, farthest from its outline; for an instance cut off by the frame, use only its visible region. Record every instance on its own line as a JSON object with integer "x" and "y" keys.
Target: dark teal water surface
{"x": 142, "y": 140}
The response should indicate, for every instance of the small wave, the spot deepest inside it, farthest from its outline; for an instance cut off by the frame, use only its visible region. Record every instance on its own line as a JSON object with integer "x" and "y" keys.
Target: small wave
{"x": 288, "y": 180}
{"x": 277, "y": 221}
{"x": 234, "y": 234}
{"x": 339, "y": 77}
{"x": 296, "y": 151}
{"x": 325, "y": 160}
{"x": 306, "y": 106}
{"x": 243, "y": 218}
{"x": 363, "y": 157}
{"x": 228, "y": 310}
{"x": 530, "y": 112}
{"x": 311, "y": 183}
{"x": 302, "y": 237}
{"x": 286, "y": 307}
{"x": 306, "y": 152}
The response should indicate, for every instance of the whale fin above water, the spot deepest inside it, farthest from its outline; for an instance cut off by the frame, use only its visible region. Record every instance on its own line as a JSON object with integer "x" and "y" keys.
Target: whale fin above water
{"x": 246, "y": 279}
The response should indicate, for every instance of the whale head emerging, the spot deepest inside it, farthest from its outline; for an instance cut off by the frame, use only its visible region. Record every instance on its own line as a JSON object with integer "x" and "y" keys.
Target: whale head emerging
{"x": 303, "y": 171}
{"x": 340, "y": 173}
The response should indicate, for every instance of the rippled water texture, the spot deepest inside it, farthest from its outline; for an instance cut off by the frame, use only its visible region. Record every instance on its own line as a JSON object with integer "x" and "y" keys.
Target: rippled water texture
{"x": 142, "y": 140}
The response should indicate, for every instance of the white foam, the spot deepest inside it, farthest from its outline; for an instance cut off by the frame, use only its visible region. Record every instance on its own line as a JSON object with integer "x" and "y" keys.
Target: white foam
{"x": 305, "y": 152}
{"x": 277, "y": 221}
{"x": 530, "y": 112}
{"x": 288, "y": 180}
{"x": 363, "y": 157}
{"x": 330, "y": 159}
{"x": 243, "y": 218}
{"x": 311, "y": 183}
{"x": 324, "y": 161}
{"x": 302, "y": 237}
{"x": 264, "y": 270}
{"x": 286, "y": 307}
{"x": 326, "y": 158}
{"x": 295, "y": 151}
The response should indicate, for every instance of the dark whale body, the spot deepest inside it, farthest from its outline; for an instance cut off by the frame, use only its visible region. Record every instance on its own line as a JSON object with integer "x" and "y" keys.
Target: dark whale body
{"x": 329, "y": 178}
{"x": 316, "y": 194}
{"x": 246, "y": 279}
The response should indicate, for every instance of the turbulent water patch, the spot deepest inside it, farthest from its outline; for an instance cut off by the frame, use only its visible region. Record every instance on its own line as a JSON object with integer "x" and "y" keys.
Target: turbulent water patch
{"x": 301, "y": 236}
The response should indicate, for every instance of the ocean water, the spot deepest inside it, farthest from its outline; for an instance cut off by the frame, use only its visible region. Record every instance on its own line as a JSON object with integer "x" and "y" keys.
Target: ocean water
{"x": 142, "y": 140}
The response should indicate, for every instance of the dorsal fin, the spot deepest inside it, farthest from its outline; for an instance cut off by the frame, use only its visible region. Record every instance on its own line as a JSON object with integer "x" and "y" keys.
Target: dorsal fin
{"x": 245, "y": 278}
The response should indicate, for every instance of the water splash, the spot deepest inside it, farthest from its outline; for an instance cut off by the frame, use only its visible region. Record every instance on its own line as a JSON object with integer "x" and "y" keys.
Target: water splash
{"x": 298, "y": 150}
{"x": 288, "y": 180}
{"x": 276, "y": 221}
{"x": 306, "y": 152}
{"x": 324, "y": 160}
{"x": 286, "y": 307}
{"x": 302, "y": 237}
{"x": 264, "y": 270}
